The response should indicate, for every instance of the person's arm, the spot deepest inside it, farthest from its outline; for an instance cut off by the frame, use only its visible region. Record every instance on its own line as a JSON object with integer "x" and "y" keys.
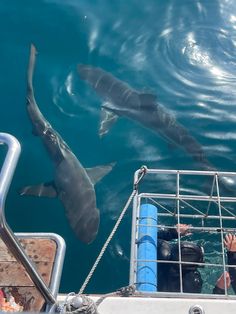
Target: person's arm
{"x": 232, "y": 270}
{"x": 167, "y": 234}
{"x": 172, "y": 233}
{"x": 220, "y": 284}
{"x": 218, "y": 290}
{"x": 230, "y": 243}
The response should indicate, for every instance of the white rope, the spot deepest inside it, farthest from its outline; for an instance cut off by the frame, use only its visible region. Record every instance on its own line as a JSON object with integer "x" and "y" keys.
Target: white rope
{"x": 142, "y": 173}
{"x": 106, "y": 244}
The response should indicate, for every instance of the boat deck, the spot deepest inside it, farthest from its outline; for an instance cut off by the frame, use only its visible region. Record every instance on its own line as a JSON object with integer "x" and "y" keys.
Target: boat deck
{"x": 14, "y": 278}
{"x": 161, "y": 305}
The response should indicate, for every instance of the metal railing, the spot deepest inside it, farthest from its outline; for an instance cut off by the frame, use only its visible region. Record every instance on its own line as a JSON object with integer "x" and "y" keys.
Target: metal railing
{"x": 6, "y": 233}
{"x": 180, "y": 197}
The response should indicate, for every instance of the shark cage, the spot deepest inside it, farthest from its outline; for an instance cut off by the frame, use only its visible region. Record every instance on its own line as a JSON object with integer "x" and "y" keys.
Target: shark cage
{"x": 196, "y": 212}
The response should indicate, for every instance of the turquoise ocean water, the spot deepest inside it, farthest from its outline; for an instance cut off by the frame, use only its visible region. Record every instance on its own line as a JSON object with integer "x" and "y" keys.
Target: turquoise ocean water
{"x": 183, "y": 51}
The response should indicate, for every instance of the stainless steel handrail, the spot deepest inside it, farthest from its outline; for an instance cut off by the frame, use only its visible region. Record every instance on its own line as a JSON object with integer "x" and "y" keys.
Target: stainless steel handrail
{"x": 6, "y": 233}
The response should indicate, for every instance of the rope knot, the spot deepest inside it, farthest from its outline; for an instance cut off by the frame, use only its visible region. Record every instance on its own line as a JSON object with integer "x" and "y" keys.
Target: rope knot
{"x": 142, "y": 172}
{"x": 126, "y": 291}
{"x": 143, "y": 169}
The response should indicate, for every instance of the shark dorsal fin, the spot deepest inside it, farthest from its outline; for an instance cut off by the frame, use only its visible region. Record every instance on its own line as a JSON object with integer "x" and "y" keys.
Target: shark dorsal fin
{"x": 146, "y": 98}
{"x": 97, "y": 173}
{"x": 108, "y": 118}
{"x": 147, "y": 101}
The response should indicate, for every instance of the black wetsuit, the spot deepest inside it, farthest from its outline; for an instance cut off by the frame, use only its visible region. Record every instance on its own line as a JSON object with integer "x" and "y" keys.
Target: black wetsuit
{"x": 167, "y": 234}
{"x": 232, "y": 270}
{"x": 232, "y": 273}
{"x": 168, "y": 273}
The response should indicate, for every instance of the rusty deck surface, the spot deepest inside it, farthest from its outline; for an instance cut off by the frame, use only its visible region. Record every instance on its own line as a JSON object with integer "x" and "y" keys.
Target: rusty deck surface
{"x": 14, "y": 277}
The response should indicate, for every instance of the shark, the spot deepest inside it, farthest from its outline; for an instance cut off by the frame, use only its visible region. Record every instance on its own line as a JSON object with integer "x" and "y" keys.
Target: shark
{"x": 121, "y": 100}
{"x": 73, "y": 185}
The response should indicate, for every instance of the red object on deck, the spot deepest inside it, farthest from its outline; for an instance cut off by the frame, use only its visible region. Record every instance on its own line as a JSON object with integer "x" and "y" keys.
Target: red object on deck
{"x": 2, "y": 296}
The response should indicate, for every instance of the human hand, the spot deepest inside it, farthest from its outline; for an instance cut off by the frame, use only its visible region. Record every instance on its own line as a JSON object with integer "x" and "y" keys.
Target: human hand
{"x": 221, "y": 283}
{"x": 183, "y": 229}
{"x": 230, "y": 242}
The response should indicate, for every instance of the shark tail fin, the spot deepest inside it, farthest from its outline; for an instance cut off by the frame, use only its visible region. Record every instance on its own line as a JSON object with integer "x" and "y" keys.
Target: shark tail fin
{"x": 31, "y": 66}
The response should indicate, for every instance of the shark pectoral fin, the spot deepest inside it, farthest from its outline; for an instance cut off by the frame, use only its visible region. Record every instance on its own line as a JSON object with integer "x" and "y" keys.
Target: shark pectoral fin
{"x": 108, "y": 118}
{"x": 41, "y": 190}
{"x": 97, "y": 173}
